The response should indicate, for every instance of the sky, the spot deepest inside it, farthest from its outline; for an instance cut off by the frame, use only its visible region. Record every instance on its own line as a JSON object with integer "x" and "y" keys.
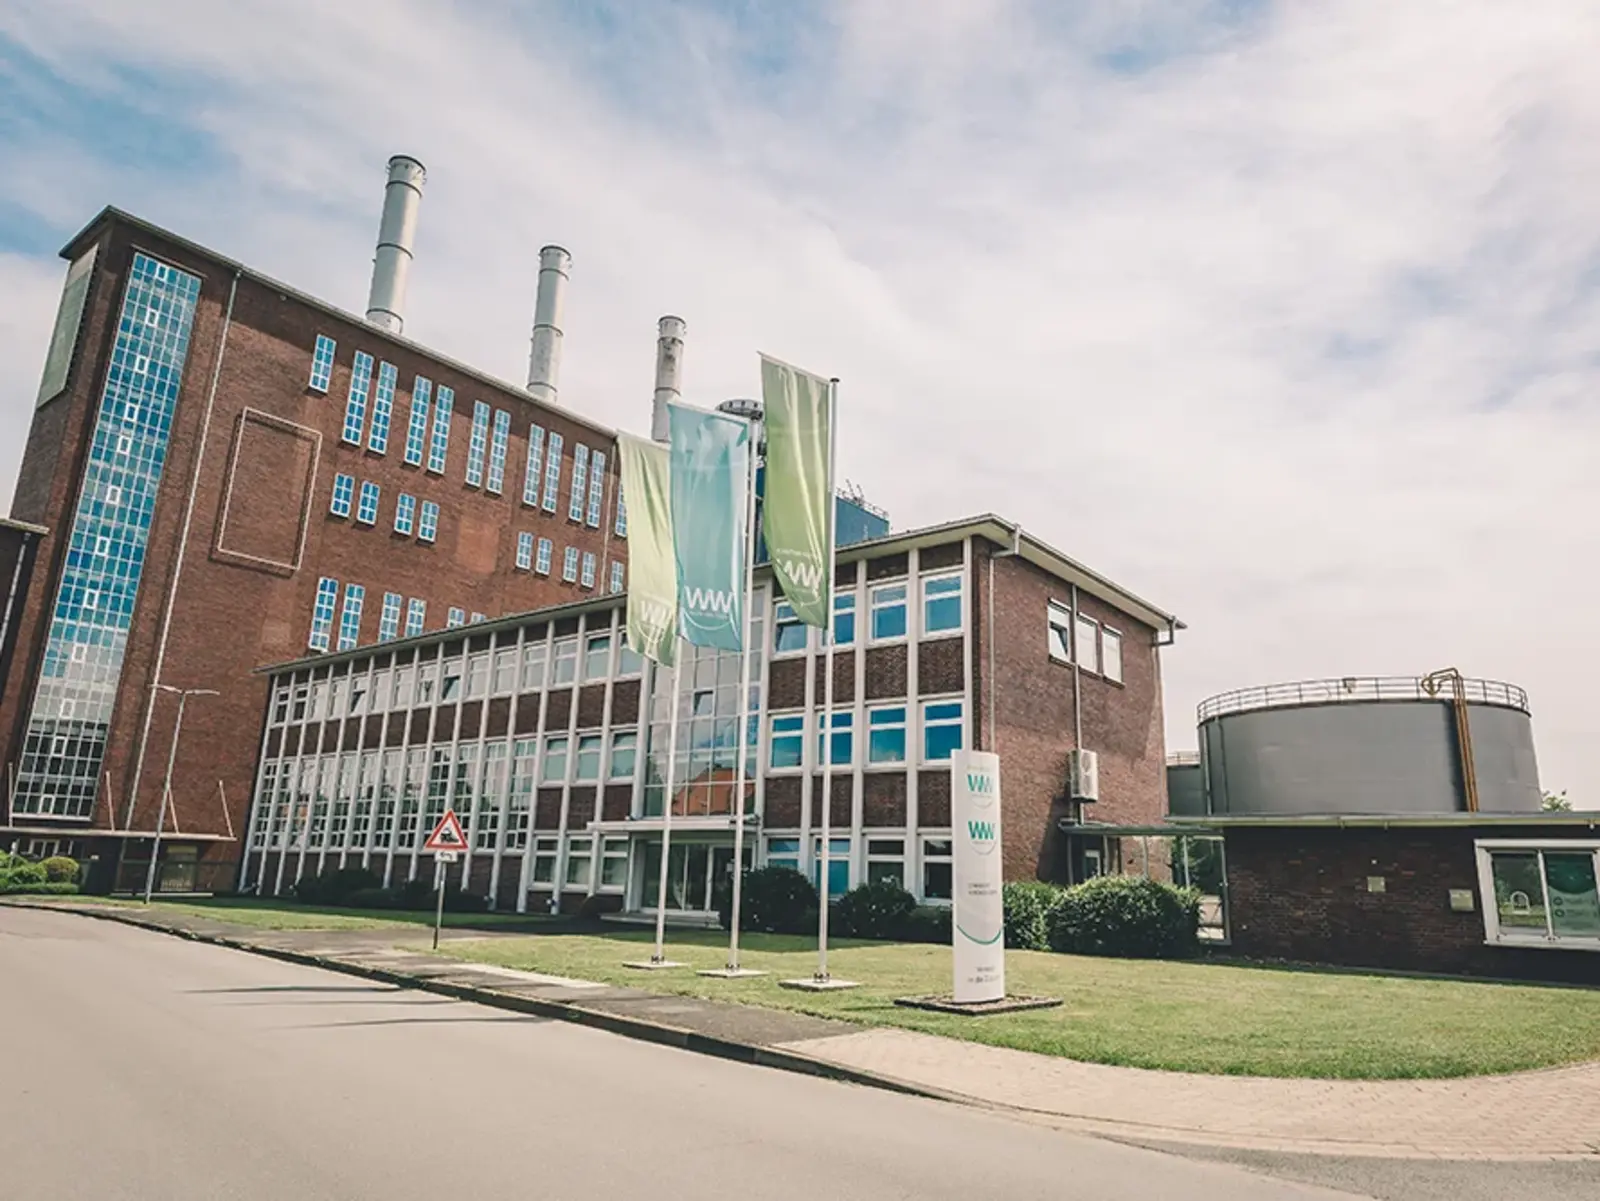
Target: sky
{"x": 1285, "y": 316}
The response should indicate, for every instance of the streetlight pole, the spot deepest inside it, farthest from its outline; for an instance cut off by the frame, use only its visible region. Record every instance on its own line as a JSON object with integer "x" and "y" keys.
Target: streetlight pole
{"x": 166, "y": 784}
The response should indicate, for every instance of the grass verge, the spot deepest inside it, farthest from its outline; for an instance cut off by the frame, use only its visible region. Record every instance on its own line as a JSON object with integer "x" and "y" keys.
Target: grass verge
{"x": 280, "y": 915}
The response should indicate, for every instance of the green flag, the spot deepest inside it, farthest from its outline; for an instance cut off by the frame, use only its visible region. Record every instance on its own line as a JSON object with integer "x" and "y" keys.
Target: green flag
{"x": 798, "y": 501}
{"x": 652, "y": 569}
{"x": 710, "y": 491}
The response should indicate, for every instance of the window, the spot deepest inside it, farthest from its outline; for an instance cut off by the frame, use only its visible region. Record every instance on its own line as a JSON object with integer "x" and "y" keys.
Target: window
{"x": 524, "y": 551}
{"x": 614, "y": 864}
{"x": 843, "y": 739}
{"x": 597, "y": 488}
{"x": 440, "y": 445}
{"x": 546, "y": 550}
{"x": 416, "y": 614}
{"x": 534, "y": 657}
{"x": 322, "y": 613}
{"x": 941, "y": 604}
{"x": 554, "y": 768}
{"x": 783, "y": 852}
{"x": 505, "y": 671}
{"x": 580, "y": 482}
{"x": 621, "y": 528}
{"x": 838, "y": 865}
{"x": 844, "y": 619}
{"x": 624, "y": 755}
{"x": 786, "y": 743}
{"x": 886, "y": 734}
{"x": 569, "y": 565}
{"x": 455, "y": 617}
{"x": 478, "y": 443}
{"x": 886, "y": 860}
{"x": 1111, "y": 654}
{"x": 941, "y": 730}
{"x": 587, "y": 579}
{"x": 367, "y": 509}
{"x": 588, "y": 763}
{"x": 497, "y": 452}
{"x": 322, "y": 363}
{"x": 788, "y": 631}
{"x": 344, "y": 490}
{"x": 405, "y": 514}
{"x": 1544, "y": 894}
{"x": 428, "y": 522}
{"x": 936, "y": 869}
{"x": 544, "y": 860}
{"x": 350, "y": 617}
{"x": 1059, "y": 619}
{"x": 888, "y": 612}
{"x": 450, "y": 680}
{"x": 565, "y": 667}
{"x": 597, "y": 657}
{"x": 355, "y": 408}
{"x": 382, "y": 408}
{"x": 1088, "y": 643}
{"x": 389, "y": 618}
{"x": 616, "y": 578}
{"x": 629, "y": 661}
{"x": 535, "y": 473}
{"x": 552, "y": 472}
{"x": 580, "y": 861}
{"x": 477, "y": 675}
{"x": 417, "y": 426}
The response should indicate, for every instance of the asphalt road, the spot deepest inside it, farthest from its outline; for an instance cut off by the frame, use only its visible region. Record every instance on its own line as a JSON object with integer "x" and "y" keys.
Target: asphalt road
{"x": 139, "y": 1067}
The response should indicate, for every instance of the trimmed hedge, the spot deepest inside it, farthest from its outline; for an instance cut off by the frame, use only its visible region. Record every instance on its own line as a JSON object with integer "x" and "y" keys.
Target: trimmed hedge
{"x": 1029, "y": 906}
{"x": 60, "y": 869}
{"x": 874, "y": 910}
{"x": 23, "y": 873}
{"x": 774, "y": 900}
{"x": 1127, "y": 916}
{"x": 335, "y": 886}
{"x": 11, "y": 887}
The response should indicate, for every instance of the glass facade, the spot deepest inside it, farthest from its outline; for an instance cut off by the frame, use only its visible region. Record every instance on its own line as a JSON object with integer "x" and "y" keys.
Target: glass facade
{"x": 66, "y": 737}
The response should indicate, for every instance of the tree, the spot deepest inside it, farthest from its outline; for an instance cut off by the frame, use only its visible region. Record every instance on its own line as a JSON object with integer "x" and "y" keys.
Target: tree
{"x": 1556, "y": 802}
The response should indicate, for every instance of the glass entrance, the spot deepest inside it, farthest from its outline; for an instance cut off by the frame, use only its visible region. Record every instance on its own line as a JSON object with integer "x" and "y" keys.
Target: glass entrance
{"x": 694, "y": 870}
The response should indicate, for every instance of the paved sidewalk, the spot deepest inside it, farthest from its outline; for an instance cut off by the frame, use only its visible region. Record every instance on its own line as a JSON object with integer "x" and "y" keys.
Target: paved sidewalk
{"x": 1551, "y": 1114}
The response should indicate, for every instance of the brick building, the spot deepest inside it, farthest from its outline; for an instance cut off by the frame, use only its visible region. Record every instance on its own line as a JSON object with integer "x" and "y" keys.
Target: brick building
{"x": 550, "y": 739}
{"x": 233, "y": 472}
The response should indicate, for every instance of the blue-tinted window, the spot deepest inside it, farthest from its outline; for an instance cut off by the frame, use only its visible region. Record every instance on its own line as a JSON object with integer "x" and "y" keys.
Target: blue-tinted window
{"x": 405, "y": 512}
{"x": 838, "y": 866}
{"x": 367, "y": 510}
{"x": 355, "y": 408}
{"x": 524, "y": 551}
{"x": 886, "y": 734}
{"x": 597, "y": 488}
{"x": 616, "y": 577}
{"x": 587, "y": 578}
{"x": 569, "y": 565}
{"x": 389, "y": 619}
{"x": 580, "y": 482}
{"x": 497, "y": 451}
{"x": 60, "y": 766}
{"x": 439, "y": 447}
{"x": 783, "y": 852}
{"x": 535, "y": 472}
{"x": 322, "y": 363}
{"x": 888, "y": 612}
{"x": 941, "y": 604}
{"x": 941, "y": 730}
{"x": 622, "y": 518}
{"x": 322, "y": 613}
{"x": 455, "y": 617}
{"x": 477, "y": 443}
{"x": 417, "y": 425}
{"x": 552, "y": 473}
{"x": 344, "y": 491}
{"x": 843, "y": 739}
{"x": 428, "y": 521}
{"x": 416, "y": 615}
{"x": 786, "y": 745}
{"x": 382, "y": 408}
{"x": 844, "y": 619}
{"x": 546, "y": 551}
{"x": 350, "y": 616}
{"x": 788, "y": 631}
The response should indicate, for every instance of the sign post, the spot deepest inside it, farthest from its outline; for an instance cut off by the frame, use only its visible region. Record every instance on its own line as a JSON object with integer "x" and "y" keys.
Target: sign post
{"x": 978, "y": 928}
{"x": 446, "y": 842}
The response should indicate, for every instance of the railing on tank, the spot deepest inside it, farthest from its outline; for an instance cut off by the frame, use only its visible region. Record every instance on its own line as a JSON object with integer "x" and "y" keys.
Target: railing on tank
{"x": 1357, "y": 688}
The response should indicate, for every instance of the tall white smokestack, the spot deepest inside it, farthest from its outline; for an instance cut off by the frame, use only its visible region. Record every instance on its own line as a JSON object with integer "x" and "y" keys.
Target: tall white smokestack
{"x": 669, "y": 374}
{"x": 544, "y": 361}
{"x": 396, "y": 232}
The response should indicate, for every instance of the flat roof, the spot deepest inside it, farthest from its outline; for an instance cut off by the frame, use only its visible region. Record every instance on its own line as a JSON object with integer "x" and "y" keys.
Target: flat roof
{"x": 1540, "y": 817}
{"x": 27, "y": 527}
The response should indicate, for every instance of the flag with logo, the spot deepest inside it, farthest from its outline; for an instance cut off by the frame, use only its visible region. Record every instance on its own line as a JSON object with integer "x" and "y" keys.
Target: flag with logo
{"x": 710, "y": 488}
{"x": 652, "y": 568}
{"x": 798, "y": 499}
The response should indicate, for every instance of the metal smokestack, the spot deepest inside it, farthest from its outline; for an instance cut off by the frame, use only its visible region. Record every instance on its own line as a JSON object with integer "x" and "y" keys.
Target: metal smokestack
{"x": 544, "y": 360}
{"x": 669, "y": 374}
{"x": 396, "y": 232}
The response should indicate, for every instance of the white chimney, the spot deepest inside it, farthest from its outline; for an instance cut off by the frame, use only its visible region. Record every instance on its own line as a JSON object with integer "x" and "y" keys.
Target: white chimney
{"x": 544, "y": 361}
{"x": 669, "y": 374}
{"x": 396, "y": 233}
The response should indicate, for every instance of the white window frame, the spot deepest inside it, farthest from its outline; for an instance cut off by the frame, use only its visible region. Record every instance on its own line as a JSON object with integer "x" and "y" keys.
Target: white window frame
{"x": 940, "y": 577}
{"x": 524, "y": 551}
{"x": 1058, "y": 631}
{"x": 547, "y": 752}
{"x": 499, "y": 443}
{"x": 612, "y": 850}
{"x": 905, "y": 725}
{"x": 367, "y": 503}
{"x": 1493, "y": 934}
{"x": 597, "y": 487}
{"x": 617, "y": 574}
{"x": 774, "y": 734}
{"x": 405, "y": 514}
{"x": 923, "y": 705}
{"x": 428, "y": 521}
{"x": 533, "y": 477}
{"x": 586, "y": 575}
{"x": 477, "y": 443}
{"x": 780, "y": 622}
{"x": 873, "y": 607}
{"x": 546, "y": 554}
{"x": 1086, "y": 640}
{"x": 589, "y": 744}
{"x": 1110, "y": 637}
{"x": 455, "y": 617}
{"x": 416, "y": 616}
{"x": 343, "y": 494}
{"x": 924, "y": 837}
{"x": 322, "y": 363}
{"x": 842, "y": 721}
{"x": 569, "y": 565}
{"x": 580, "y": 482}
{"x": 417, "y": 421}
{"x": 589, "y": 651}
{"x": 552, "y": 471}
{"x": 898, "y": 858}
{"x": 623, "y": 740}
{"x": 564, "y": 650}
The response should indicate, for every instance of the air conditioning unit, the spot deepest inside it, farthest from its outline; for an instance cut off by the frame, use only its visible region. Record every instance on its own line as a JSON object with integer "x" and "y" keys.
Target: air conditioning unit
{"x": 1083, "y": 775}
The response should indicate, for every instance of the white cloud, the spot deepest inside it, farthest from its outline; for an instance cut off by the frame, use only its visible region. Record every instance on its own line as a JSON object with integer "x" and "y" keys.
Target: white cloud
{"x": 1290, "y": 326}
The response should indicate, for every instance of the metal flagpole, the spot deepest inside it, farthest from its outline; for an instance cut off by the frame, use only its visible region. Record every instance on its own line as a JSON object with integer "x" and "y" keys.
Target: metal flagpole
{"x": 658, "y": 958}
{"x": 822, "y": 976}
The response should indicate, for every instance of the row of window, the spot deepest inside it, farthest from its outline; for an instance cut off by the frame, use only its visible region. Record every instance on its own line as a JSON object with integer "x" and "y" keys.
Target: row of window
{"x": 1541, "y": 895}
{"x": 886, "y": 730}
{"x": 885, "y": 860}
{"x": 942, "y": 613}
{"x": 326, "y": 607}
{"x": 408, "y": 515}
{"x": 1095, "y": 647}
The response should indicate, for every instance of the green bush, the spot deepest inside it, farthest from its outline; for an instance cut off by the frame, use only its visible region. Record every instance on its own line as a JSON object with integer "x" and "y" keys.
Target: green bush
{"x": 414, "y": 894}
{"x": 335, "y": 886}
{"x": 10, "y": 886}
{"x": 874, "y": 910}
{"x": 459, "y": 900}
{"x": 775, "y": 900}
{"x": 60, "y": 869}
{"x": 1127, "y": 916}
{"x": 927, "y": 923}
{"x": 372, "y": 898}
{"x": 1029, "y": 906}
{"x": 22, "y": 873}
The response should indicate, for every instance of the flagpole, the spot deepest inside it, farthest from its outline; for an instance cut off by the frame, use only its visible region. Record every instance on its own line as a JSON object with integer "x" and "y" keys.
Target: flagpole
{"x": 660, "y": 958}
{"x": 740, "y": 772}
{"x": 822, "y": 977}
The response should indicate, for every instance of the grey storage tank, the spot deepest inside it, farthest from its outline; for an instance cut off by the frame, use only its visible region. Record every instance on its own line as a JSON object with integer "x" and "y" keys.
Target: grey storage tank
{"x": 1408, "y": 746}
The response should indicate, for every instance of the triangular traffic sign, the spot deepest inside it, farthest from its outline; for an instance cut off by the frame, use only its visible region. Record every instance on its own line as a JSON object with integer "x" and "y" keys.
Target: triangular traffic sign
{"x": 447, "y": 835}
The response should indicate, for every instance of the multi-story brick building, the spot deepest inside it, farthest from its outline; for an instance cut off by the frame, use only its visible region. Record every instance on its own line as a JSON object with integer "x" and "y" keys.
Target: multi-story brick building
{"x": 233, "y": 472}
{"x": 549, "y": 737}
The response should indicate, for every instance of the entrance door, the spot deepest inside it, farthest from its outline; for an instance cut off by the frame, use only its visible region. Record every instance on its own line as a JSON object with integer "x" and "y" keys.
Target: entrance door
{"x": 689, "y": 875}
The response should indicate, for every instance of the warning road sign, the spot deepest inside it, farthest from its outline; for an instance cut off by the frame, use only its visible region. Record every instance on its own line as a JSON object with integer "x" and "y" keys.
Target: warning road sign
{"x": 447, "y": 835}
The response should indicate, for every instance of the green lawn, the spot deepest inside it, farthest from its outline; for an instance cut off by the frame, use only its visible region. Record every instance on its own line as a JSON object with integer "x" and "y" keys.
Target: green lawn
{"x": 1192, "y": 1017}
{"x": 285, "y": 915}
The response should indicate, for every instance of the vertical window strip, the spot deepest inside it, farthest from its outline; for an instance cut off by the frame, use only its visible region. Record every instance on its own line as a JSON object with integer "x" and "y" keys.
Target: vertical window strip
{"x": 497, "y": 451}
{"x": 569, "y": 565}
{"x": 350, "y": 618}
{"x": 588, "y": 569}
{"x": 580, "y": 482}
{"x": 524, "y": 551}
{"x": 322, "y": 613}
{"x": 535, "y": 475}
{"x": 597, "y": 488}
{"x": 417, "y": 427}
{"x": 416, "y": 615}
{"x": 477, "y": 443}
{"x": 552, "y": 472}
{"x": 546, "y": 551}
{"x": 344, "y": 489}
{"x": 428, "y": 522}
{"x": 443, "y": 402}
{"x": 621, "y": 528}
{"x": 367, "y": 510}
{"x": 355, "y": 408}
{"x": 616, "y": 577}
{"x": 383, "y": 408}
{"x": 405, "y": 512}
{"x": 389, "y": 619}
{"x": 322, "y": 363}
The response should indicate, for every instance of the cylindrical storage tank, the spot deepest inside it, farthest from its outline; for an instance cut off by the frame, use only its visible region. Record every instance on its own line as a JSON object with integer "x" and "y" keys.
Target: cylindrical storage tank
{"x": 1365, "y": 746}
{"x": 1186, "y": 791}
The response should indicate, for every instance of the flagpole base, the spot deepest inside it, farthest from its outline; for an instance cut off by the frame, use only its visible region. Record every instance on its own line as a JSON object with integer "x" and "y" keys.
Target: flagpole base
{"x": 818, "y": 984}
{"x": 654, "y": 965}
{"x": 731, "y": 973}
